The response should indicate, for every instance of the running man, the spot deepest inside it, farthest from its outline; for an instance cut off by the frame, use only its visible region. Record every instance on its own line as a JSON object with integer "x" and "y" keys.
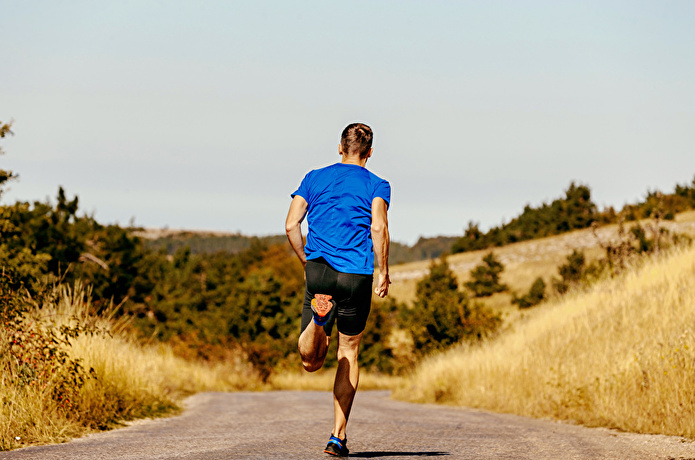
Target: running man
{"x": 346, "y": 207}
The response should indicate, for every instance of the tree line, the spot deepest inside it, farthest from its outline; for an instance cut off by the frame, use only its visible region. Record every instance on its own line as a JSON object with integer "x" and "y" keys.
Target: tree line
{"x": 574, "y": 211}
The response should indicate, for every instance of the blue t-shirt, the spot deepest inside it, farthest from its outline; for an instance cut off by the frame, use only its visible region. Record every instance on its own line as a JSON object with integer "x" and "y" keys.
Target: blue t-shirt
{"x": 340, "y": 215}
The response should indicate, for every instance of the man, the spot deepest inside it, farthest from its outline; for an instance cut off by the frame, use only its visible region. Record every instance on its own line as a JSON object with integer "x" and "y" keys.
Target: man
{"x": 346, "y": 207}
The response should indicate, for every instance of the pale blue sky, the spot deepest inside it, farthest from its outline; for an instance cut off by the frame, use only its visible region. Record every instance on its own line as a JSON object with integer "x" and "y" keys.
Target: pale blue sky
{"x": 206, "y": 115}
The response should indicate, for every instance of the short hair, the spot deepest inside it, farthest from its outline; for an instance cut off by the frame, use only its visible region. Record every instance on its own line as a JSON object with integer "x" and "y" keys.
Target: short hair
{"x": 356, "y": 139}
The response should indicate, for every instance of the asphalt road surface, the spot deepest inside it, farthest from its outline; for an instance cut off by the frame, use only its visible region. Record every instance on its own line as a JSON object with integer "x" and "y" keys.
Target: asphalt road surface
{"x": 296, "y": 425}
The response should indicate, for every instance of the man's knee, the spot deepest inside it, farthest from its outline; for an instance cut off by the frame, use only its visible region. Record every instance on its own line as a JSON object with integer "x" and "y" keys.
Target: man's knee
{"x": 348, "y": 346}
{"x": 311, "y": 366}
{"x": 314, "y": 361}
{"x": 350, "y": 356}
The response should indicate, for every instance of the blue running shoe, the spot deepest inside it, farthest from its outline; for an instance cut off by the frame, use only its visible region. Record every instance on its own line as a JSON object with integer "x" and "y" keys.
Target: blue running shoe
{"x": 337, "y": 447}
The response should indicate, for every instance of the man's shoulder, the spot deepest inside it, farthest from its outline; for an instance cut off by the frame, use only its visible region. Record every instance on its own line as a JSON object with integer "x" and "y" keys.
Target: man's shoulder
{"x": 322, "y": 170}
{"x": 377, "y": 179}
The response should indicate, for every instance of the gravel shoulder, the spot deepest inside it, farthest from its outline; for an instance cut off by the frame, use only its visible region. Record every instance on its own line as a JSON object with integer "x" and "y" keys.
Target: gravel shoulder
{"x": 296, "y": 425}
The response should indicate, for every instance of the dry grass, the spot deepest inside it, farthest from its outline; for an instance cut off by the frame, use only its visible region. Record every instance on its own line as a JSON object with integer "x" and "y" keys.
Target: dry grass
{"x": 620, "y": 355}
{"x": 132, "y": 381}
{"x": 323, "y": 381}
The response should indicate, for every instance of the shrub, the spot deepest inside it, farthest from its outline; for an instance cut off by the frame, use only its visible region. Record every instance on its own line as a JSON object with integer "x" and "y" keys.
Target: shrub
{"x": 630, "y": 246}
{"x": 571, "y": 272}
{"x": 38, "y": 349}
{"x": 443, "y": 315}
{"x": 534, "y": 296}
{"x": 486, "y": 277}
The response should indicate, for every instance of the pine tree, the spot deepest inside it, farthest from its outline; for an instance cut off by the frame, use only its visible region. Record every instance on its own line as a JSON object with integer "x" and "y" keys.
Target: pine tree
{"x": 443, "y": 314}
{"x": 486, "y": 277}
{"x": 571, "y": 272}
{"x": 5, "y": 175}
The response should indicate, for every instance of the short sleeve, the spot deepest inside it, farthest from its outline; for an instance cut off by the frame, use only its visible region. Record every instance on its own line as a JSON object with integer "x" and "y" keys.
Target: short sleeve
{"x": 303, "y": 189}
{"x": 383, "y": 191}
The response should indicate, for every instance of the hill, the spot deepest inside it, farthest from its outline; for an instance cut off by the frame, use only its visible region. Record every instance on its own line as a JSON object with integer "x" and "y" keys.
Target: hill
{"x": 209, "y": 242}
{"x": 202, "y": 241}
{"x": 574, "y": 211}
{"x": 619, "y": 355}
{"x": 524, "y": 261}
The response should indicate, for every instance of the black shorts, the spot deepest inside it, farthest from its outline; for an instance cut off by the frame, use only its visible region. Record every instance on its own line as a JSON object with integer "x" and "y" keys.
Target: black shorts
{"x": 351, "y": 292}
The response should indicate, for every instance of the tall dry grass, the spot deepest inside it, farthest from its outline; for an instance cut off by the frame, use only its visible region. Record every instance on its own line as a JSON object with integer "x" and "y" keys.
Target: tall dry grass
{"x": 131, "y": 381}
{"x": 323, "y": 381}
{"x": 621, "y": 355}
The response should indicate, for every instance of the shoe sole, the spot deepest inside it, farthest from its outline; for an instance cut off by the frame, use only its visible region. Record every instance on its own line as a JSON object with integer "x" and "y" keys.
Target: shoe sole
{"x": 321, "y": 304}
{"x": 335, "y": 454}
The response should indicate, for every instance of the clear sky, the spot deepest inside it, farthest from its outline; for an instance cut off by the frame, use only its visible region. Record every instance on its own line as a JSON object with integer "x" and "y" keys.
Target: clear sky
{"x": 206, "y": 115}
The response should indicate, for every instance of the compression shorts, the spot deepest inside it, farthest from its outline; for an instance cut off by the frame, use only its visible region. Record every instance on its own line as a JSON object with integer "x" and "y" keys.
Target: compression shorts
{"x": 351, "y": 292}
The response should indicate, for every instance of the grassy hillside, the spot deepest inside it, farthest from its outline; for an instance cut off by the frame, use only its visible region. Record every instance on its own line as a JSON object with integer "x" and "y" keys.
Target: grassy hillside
{"x": 524, "y": 261}
{"x": 619, "y": 355}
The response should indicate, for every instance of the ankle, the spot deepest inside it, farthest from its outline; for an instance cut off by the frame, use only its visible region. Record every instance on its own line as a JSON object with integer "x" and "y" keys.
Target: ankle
{"x": 320, "y": 321}
{"x": 342, "y": 437}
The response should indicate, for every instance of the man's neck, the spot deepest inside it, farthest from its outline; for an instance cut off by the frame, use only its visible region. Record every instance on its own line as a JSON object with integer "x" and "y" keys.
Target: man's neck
{"x": 354, "y": 160}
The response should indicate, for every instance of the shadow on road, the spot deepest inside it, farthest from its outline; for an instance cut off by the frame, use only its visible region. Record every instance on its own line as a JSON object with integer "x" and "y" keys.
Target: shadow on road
{"x": 378, "y": 454}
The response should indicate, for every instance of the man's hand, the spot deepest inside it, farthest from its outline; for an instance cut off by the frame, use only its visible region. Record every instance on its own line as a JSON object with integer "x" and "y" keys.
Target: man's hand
{"x": 382, "y": 287}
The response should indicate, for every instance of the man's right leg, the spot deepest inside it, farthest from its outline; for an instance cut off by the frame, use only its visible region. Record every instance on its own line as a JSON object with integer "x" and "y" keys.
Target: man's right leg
{"x": 317, "y": 310}
{"x": 313, "y": 346}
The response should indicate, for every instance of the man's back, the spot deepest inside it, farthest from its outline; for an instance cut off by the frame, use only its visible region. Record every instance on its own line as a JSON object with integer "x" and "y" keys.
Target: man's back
{"x": 339, "y": 199}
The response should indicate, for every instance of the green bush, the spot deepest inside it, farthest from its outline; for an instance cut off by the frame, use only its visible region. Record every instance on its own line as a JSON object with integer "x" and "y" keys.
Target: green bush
{"x": 443, "y": 315}
{"x": 571, "y": 272}
{"x": 534, "y": 296}
{"x": 486, "y": 277}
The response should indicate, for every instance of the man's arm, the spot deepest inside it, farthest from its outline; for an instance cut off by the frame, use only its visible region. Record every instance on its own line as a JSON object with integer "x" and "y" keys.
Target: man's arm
{"x": 380, "y": 238}
{"x": 293, "y": 226}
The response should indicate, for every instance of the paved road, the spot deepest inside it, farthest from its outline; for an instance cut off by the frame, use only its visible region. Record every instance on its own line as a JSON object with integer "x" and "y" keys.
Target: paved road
{"x": 296, "y": 425}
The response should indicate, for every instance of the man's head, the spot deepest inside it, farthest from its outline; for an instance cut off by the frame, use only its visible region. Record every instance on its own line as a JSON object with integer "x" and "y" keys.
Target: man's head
{"x": 356, "y": 140}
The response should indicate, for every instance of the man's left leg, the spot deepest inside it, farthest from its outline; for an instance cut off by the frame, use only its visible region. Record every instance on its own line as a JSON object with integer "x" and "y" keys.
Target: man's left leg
{"x": 346, "y": 379}
{"x": 351, "y": 318}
